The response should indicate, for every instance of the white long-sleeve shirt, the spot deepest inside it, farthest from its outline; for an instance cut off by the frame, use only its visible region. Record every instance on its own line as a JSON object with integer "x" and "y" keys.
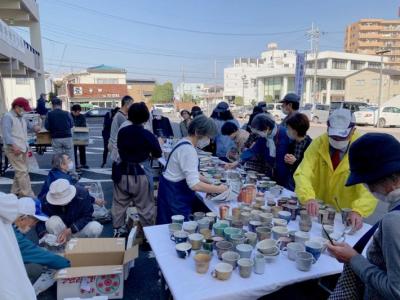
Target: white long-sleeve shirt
{"x": 183, "y": 164}
{"x": 14, "y": 282}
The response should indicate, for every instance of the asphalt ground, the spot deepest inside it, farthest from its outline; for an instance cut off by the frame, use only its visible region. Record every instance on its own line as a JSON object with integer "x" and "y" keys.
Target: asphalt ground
{"x": 144, "y": 279}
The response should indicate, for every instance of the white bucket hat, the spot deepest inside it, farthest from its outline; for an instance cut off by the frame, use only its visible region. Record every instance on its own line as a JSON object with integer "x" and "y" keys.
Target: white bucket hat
{"x": 61, "y": 192}
{"x": 340, "y": 123}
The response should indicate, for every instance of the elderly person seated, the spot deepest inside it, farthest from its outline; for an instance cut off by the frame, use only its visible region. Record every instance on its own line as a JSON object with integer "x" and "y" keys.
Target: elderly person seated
{"x": 70, "y": 210}
{"x": 35, "y": 258}
{"x": 14, "y": 282}
{"x": 61, "y": 166}
{"x": 374, "y": 162}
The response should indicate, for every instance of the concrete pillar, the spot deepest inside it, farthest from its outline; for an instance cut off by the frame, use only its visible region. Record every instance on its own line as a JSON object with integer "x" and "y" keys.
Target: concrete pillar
{"x": 348, "y": 65}
{"x": 328, "y": 90}
{"x": 36, "y": 41}
{"x": 307, "y": 90}
{"x": 261, "y": 88}
{"x": 284, "y": 86}
{"x": 329, "y": 64}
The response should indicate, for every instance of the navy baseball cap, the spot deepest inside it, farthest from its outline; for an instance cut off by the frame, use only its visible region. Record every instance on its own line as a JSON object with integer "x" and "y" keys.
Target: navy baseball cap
{"x": 372, "y": 157}
{"x": 291, "y": 98}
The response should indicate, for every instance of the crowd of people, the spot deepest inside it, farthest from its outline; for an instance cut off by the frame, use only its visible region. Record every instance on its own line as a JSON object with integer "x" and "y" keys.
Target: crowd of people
{"x": 340, "y": 168}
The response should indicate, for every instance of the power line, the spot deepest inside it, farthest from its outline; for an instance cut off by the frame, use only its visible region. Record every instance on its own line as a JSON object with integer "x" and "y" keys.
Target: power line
{"x": 178, "y": 29}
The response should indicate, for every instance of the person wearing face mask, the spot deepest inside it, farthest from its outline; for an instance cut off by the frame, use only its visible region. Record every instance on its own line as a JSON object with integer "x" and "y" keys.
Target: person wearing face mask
{"x": 324, "y": 169}
{"x": 296, "y": 129}
{"x": 161, "y": 125}
{"x": 270, "y": 148}
{"x": 135, "y": 146}
{"x": 290, "y": 106}
{"x": 239, "y": 137}
{"x": 14, "y": 282}
{"x": 374, "y": 162}
{"x": 16, "y": 147}
{"x": 181, "y": 178}
{"x": 35, "y": 258}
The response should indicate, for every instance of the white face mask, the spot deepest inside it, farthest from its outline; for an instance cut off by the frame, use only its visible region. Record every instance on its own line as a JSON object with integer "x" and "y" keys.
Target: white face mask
{"x": 70, "y": 165}
{"x": 339, "y": 145}
{"x": 204, "y": 142}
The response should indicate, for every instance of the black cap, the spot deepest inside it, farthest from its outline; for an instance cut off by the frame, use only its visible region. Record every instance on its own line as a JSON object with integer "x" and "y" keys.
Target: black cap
{"x": 372, "y": 157}
{"x": 291, "y": 97}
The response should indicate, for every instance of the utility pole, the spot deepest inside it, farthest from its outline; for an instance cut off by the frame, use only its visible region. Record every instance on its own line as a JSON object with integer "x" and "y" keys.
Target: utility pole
{"x": 314, "y": 35}
{"x": 381, "y": 53}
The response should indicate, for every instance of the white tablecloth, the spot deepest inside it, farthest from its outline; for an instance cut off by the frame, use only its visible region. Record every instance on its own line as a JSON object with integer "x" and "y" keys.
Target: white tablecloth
{"x": 185, "y": 283}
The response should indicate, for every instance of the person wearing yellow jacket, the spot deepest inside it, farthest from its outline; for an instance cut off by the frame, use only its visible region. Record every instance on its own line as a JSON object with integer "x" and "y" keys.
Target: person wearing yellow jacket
{"x": 325, "y": 169}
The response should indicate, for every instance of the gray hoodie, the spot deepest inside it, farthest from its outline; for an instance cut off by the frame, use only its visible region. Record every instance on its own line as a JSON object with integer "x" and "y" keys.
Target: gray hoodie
{"x": 380, "y": 271}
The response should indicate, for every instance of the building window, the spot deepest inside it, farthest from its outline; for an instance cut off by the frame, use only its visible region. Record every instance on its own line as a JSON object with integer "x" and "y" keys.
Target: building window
{"x": 337, "y": 84}
{"x": 273, "y": 87}
{"x": 322, "y": 64}
{"x": 22, "y": 81}
{"x": 107, "y": 81}
{"x": 374, "y": 65}
{"x": 360, "y": 82}
{"x": 321, "y": 84}
{"x": 339, "y": 64}
{"x": 357, "y": 65}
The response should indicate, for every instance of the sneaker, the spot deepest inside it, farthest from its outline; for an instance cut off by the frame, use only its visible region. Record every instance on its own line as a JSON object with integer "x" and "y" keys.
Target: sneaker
{"x": 120, "y": 232}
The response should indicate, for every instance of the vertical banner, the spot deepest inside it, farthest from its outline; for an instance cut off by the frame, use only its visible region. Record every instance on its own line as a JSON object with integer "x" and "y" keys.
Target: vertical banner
{"x": 300, "y": 73}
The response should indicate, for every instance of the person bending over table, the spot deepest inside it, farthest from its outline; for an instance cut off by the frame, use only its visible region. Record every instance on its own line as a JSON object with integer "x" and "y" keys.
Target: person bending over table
{"x": 181, "y": 179}
{"x": 323, "y": 172}
{"x": 378, "y": 169}
{"x": 271, "y": 145}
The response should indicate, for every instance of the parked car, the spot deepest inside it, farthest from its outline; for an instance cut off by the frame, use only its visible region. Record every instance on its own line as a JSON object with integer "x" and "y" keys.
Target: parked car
{"x": 97, "y": 112}
{"x": 351, "y": 105}
{"x": 389, "y": 116}
{"x": 317, "y": 113}
{"x": 166, "y": 108}
{"x": 366, "y": 116}
{"x": 275, "y": 109}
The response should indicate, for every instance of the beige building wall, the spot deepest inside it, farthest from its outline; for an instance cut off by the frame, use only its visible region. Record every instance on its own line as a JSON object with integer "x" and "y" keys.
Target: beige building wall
{"x": 364, "y": 86}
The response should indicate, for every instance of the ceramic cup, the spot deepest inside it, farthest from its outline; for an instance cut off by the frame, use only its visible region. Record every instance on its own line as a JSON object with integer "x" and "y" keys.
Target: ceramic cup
{"x": 301, "y": 237}
{"x": 183, "y": 249}
{"x": 212, "y": 215}
{"x": 279, "y": 222}
{"x": 251, "y": 238}
{"x": 245, "y": 217}
{"x": 231, "y": 257}
{"x": 229, "y": 231}
{"x": 219, "y": 228}
{"x": 223, "y": 271}
{"x": 237, "y": 239}
{"x": 305, "y": 225}
{"x": 180, "y": 237}
{"x": 197, "y": 216}
{"x": 304, "y": 261}
{"x": 206, "y": 232}
{"x": 267, "y": 246}
{"x": 291, "y": 234}
{"x": 283, "y": 242}
{"x": 345, "y": 216}
{"x": 178, "y": 219}
{"x": 275, "y": 210}
{"x": 292, "y": 249}
{"x": 323, "y": 216}
{"x": 208, "y": 244}
{"x": 236, "y": 212}
{"x": 217, "y": 239}
{"x": 244, "y": 250}
{"x": 315, "y": 248}
{"x": 266, "y": 217}
{"x": 263, "y": 233}
{"x": 321, "y": 240}
{"x": 190, "y": 226}
{"x": 285, "y": 215}
{"x": 237, "y": 223}
{"x": 265, "y": 209}
{"x": 196, "y": 239}
{"x": 245, "y": 267}
{"x": 253, "y": 224}
{"x": 279, "y": 231}
{"x": 174, "y": 227}
{"x": 259, "y": 263}
{"x": 222, "y": 247}
{"x": 203, "y": 223}
{"x": 202, "y": 262}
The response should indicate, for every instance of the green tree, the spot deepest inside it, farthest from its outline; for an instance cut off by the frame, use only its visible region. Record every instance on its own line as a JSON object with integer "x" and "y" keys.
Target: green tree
{"x": 268, "y": 98}
{"x": 163, "y": 93}
{"x": 239, "y": 101}
{"x": 187, "y": 98}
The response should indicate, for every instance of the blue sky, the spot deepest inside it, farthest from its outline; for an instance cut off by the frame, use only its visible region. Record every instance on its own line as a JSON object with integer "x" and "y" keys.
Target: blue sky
{"x": 82, "y": 33}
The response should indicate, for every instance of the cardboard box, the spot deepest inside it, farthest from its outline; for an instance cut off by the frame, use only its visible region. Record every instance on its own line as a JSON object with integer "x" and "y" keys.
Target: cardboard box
{"x": 80, "y": 136}
{"x": 43, "y": 138}
{"x": 97, "y": 268}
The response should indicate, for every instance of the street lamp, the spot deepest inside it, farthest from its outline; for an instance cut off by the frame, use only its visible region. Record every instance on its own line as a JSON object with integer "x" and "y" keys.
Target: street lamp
{"x": 381, "y": 53}
{"x": 243, "y": 79}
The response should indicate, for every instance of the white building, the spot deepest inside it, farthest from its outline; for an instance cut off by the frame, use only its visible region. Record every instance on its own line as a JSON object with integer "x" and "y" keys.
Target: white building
{"x": 272, "y": 76}
{"x": 196, "y": 90}
{"x": 21, "y": 63}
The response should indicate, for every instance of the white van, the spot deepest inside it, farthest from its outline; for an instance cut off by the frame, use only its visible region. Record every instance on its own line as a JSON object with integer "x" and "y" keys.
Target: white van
{"x": 275, "y": 109}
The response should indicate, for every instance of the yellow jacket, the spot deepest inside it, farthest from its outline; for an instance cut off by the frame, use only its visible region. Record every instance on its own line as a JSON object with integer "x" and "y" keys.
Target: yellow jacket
{"x": 316, "y": 179}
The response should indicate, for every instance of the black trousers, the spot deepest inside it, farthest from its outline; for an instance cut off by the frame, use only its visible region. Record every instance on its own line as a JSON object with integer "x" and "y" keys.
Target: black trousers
{"x": 82, "y": 155}
{"x": 105, "y": 150}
